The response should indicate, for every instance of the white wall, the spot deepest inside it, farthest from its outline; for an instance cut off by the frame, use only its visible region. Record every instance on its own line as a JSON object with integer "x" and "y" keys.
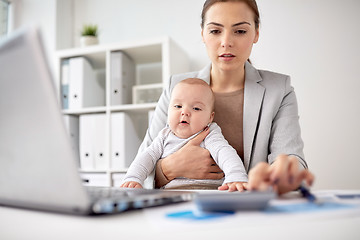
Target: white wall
{"x": 314, "y": 41}
{"x": 41, "y": 13}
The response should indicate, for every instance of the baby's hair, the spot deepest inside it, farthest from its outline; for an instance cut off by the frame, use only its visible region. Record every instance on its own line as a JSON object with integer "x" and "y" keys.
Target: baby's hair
{"x": 198, "y": 81}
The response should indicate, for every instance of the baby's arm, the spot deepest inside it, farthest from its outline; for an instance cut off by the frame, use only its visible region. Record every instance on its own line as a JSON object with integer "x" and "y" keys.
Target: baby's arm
{"x": 225, "y": 156}
{"x": 144, "y": 163}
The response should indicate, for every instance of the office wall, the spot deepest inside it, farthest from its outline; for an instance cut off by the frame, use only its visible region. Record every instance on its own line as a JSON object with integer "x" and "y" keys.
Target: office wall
{"x": 40, "y": 13}
{"x": 316, "y": 42}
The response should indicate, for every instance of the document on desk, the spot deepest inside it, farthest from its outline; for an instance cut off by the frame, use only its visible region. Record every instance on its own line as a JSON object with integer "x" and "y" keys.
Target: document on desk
{"x": 279, "y": 211}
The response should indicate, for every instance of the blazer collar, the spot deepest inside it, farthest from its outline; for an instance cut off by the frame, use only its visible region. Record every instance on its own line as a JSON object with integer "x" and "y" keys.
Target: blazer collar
{"x": 251, "y": 73}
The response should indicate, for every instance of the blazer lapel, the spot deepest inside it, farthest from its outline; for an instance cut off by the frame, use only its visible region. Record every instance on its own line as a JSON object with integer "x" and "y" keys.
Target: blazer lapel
{"x": 253, "y": 99}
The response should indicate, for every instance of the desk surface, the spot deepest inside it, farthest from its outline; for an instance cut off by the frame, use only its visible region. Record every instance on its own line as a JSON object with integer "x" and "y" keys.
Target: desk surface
{"x": 152, "y": 223}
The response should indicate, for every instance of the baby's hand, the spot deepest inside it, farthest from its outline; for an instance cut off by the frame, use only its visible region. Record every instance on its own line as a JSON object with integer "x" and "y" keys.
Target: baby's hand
{"x": 234, "y": 186}
{"x": 131, "y": 184}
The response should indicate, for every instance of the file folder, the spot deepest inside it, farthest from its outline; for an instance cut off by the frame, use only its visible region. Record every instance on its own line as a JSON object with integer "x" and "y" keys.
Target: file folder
{"x": 125, "y": 141}
{"x": 85, "y": 90}
{"x": 122, "y": 78}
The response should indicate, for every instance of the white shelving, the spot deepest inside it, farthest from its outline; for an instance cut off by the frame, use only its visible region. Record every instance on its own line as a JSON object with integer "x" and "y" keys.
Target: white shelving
{"x": 155, "y": 60}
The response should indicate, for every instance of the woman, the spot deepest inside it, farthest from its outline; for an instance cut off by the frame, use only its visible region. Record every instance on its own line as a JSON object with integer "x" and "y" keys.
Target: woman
{"x": 256, "y": 110}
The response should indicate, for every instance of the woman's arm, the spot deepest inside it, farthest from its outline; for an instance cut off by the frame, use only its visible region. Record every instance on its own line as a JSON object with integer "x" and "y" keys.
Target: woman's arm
{"x": 191, "y": 161}
{"x": 286, "y": 168}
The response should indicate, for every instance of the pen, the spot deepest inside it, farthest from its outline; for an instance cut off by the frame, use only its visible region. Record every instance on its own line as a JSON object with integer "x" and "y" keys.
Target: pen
{"x": 306, "y": 193}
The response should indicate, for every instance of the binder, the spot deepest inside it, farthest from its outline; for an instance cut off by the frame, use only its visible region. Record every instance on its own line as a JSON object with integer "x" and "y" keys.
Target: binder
{"x": 95, "y": 179}
{"x": 65, "y": 84}
{"x": 72, "y": 126}
{"x": 99, "y": 147}
{"x": 84, "y": 89}
{"x": 93, "y": 154}
{"x": 87, "y": 158}
{"x": 122, "y": 78}
{"x": 125, "y": 141}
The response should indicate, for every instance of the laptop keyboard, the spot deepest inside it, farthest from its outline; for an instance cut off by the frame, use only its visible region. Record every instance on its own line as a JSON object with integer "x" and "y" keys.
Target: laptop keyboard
{"x": 115, "y": 193}
{"x": 106, "y": 199}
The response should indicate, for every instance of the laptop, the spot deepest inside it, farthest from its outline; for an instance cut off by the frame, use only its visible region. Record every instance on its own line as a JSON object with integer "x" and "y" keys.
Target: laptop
{"x": 38, "y": 168}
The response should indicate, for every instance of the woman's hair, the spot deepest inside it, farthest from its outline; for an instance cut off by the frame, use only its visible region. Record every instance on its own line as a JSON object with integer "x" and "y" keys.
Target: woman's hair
{"x": 251, "y": 3}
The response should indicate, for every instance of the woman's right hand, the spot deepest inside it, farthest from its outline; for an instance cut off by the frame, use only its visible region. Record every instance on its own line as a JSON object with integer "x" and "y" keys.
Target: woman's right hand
{"x": 191, "y": 161}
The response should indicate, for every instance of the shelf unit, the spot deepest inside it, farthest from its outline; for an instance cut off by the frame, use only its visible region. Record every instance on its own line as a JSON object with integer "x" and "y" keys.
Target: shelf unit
{"x": 155, "y": 60}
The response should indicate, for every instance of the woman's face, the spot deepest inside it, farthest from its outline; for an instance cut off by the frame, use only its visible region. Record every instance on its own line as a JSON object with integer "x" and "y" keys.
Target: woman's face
{"x": 229, "y": 34}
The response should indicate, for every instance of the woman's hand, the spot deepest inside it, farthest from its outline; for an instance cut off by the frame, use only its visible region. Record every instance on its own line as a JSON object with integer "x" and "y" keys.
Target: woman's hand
{"x": 284, "y": 175}
{"x": 191, "y": 161}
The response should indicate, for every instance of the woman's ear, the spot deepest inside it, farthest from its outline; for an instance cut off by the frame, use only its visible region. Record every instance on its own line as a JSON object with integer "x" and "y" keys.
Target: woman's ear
{"x": 256, "y": 39}
{"x": 202, "y": 35}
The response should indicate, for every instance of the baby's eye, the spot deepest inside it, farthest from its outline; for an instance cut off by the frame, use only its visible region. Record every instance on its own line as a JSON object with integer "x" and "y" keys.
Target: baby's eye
{"x": 197, "y": 109}
{"x": 177, "y": 106}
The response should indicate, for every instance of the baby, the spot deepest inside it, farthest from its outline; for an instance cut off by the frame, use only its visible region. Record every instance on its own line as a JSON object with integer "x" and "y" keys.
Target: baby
{"x": 191, "y": 111}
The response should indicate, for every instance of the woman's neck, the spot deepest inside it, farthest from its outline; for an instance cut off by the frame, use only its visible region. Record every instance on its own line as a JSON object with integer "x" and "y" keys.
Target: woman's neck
{"x": 227, "y": 81}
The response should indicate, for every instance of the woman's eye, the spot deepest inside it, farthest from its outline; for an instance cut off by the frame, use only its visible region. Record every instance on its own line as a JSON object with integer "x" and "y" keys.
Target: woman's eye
{"x": 214, "y": 31}
{"x": 240, "y": 31}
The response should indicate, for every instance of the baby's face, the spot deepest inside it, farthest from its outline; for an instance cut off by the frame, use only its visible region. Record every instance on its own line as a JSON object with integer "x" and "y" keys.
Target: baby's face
{"x": 190, "y": 109}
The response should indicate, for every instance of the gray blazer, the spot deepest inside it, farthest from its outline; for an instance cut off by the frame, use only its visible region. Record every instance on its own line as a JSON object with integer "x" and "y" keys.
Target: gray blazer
{"x": 271, "y": 121}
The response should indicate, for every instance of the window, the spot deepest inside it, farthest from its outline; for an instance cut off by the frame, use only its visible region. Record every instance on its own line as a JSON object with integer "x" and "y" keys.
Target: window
{"x": 4, "y": 17}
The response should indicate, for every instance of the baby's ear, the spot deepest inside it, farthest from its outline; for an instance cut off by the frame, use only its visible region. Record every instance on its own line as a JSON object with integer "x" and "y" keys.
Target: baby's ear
{"x": 212, "y": 116}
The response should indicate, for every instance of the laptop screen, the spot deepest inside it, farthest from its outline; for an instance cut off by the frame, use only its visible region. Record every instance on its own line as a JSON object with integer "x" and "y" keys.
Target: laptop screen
{"x": 37, "y": 165}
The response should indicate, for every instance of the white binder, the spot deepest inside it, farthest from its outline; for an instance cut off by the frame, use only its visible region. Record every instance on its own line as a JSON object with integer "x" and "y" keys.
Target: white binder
{"x": 72, "y": 126}
{"x": 87, "y": 158}
{"x": 93, "y": 155}
{"x": 85, "y": 90}
{"x": 122, "y": 78}
{"x": 125, "y": 141}
{"x": 99, "y": 146}
{"x": 95, "y": 179}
